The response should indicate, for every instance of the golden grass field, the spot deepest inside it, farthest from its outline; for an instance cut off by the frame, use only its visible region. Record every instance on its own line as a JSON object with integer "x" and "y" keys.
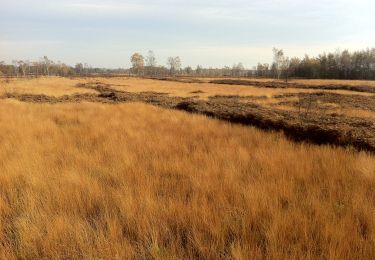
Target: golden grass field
{"x": 57, "y": 86}
{"x": 370, "y": 83}
{"x": 50, "y": 86}
{"x": 174, "y": 88}
{"x": 134, "y": 181}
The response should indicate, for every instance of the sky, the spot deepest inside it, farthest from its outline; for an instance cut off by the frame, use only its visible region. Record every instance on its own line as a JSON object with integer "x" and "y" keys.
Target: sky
{"x": 212, "y": 33}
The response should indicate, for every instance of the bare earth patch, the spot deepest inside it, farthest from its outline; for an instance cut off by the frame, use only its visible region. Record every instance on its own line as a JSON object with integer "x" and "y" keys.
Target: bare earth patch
{"x": 302, "y": 125}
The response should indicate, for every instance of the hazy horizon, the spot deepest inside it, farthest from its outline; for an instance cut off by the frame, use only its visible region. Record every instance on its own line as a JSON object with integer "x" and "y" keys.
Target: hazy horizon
{"x": 213, "y": 33}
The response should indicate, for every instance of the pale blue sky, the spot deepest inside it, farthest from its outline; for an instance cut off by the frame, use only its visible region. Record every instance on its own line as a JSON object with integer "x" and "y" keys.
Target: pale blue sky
{"x": 211, "y": 33}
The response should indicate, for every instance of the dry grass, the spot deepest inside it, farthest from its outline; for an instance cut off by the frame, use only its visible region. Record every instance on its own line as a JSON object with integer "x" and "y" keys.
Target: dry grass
{"x": 136, "y": 181}
{"x": 370, "y": 83}
{"x": 329, "y": 108}
{"x": 58, "y": 86}
{"x": 357, "y": 113}
{"x": 174, "y": 88}
{"x": 50, "y": 86}
{"x": 335, "y": 109}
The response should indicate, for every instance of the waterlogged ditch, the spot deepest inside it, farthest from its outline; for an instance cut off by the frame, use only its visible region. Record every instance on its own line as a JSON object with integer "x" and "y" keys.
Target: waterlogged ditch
{"x": 301, "y": 125}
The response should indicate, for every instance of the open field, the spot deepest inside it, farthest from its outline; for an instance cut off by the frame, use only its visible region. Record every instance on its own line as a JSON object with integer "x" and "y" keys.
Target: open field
{"x": 317, "y": 114}
{"x": 50, "y": 86}
{"x": 316, "y": 82}
{"x": 135, "y": 181}
{"x": 180, "y": 130}
{"x": 186, "y": 87}
{"x": 90, "y": 171}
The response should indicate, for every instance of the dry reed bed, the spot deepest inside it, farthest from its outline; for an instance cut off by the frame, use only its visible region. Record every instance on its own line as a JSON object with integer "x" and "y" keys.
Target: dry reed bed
{"x": 128, "y": 181}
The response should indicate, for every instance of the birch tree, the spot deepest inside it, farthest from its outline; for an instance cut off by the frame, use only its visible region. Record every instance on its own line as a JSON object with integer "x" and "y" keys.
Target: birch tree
{"x": 151, "y": 62}
{"x": 138, "y": 62}
{"x": 174, "y": 64}
{"x": 278, "y": 59}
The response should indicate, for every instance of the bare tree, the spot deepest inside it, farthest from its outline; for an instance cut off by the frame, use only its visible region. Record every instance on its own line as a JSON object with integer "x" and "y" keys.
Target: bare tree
{"x": 64, "y": 70}
{"x": 262, "y": 69}
{"x": 278, "y": 58}
{"x": 226, "y": 71}
{"x": 285, "y": 66}
{"x": 15, "y": 66}
{"x": 151, "y": 62}
{"x": 138, "y": 62}
{"x": 345, "y": 62}
{"x": 174, "y": 64}
{"x": 188, "y": 70}
{"x": 86, "y": 68}
{"x": 150, "y": 59}
{"x": 198, "y": 70}
{"x": 79, "y": 68}
{"x": 46, "y": 63}
{"x": 27, "y": 65}
{"x": 237, "y": 69}
{"x": 22, "y": 67}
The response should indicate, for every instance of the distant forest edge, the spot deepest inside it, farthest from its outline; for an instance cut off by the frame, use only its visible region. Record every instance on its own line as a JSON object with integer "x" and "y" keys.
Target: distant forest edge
{"x": 337, "y": 65}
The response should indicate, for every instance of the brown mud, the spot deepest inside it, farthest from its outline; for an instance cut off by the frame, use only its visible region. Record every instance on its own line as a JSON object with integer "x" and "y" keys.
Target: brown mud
{"x": 307, "y": 126}
{"x": 274, "y": 84}
{"x": 324, "y": 99}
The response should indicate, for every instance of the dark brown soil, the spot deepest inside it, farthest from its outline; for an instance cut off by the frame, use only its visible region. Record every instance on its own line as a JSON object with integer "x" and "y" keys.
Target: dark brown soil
{"x": 273, "y": 84}
{"x": 317, "y": 128}
{"x": 53, "y": 100}
{"x": 177, "y": 79}
{"x": 321, "y": 99}
{"x": 197, "y": 92}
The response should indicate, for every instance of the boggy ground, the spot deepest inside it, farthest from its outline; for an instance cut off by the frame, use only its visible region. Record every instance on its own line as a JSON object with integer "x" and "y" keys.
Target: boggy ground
{"x": 328, "y": 101}
{"x": 307, "y": 123}
{"x": 344, "y": 85}
{"x": 278, "y": 84}
{"x": 135, "y": 181}
{"x": 87, "y": 171}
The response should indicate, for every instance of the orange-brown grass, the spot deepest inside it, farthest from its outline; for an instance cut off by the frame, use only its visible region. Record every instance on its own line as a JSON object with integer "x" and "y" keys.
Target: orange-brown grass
{"x": 338, "y": 111}
{"x": 50, "y": 86}
{"x": 174, "y": 88}
{"x": 313, "y": 82}
{"x": 357, "y": 113}
{"x": 329, "y": 108}
{"x": 370, "y": 83}
{"x": 135, "y": 181}
{"x": 59, "y": 86}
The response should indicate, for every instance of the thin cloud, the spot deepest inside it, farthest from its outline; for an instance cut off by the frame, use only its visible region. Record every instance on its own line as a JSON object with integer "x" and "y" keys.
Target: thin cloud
{"x": 205, "y": 32}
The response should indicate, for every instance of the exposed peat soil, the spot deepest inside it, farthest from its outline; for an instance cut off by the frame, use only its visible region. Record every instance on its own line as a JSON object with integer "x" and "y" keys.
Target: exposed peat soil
{"x": 323, "y": 99}
{"x": 273, "y": 84}
{"x": 301, "y": 125}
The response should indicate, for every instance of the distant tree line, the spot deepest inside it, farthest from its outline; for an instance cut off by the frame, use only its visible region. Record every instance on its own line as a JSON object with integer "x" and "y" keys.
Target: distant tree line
{"x": 147, "y": 66}
{"x": 46, "y": 67}
{"x": 336, "y": 65}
